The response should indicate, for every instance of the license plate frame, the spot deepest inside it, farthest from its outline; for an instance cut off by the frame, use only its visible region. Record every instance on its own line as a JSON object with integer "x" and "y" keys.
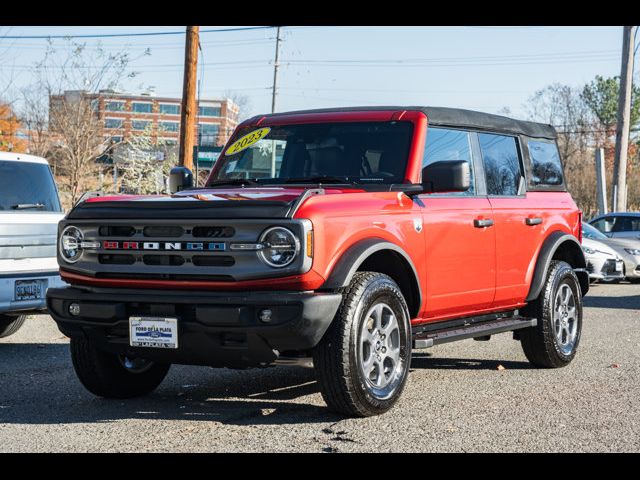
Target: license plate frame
{"x": 32, "y": 289}
{"x": 619, "y": 266}
{"x": 153, "y": 332}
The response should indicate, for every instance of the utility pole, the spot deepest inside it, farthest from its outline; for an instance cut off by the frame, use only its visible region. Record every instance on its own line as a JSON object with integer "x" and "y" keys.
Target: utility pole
{"x": 601, "y": 182}
{"x": 276, "y": 64}
{"x": 189, "y": 110}
{"x": 619, "y": 198}
{"x": 275, "y": 72}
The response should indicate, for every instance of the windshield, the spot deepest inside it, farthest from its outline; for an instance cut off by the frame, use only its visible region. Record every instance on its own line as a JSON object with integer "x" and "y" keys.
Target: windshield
{"x": 362, "y": 152}
{"x": 27, "y": 187}
{"x": 593, "y": 233}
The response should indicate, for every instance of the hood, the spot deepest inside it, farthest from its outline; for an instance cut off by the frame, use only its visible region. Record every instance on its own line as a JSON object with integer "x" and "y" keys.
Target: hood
{"x": 259, "y": 202}
{"x": 620, "y": 242}
{"x": 599, "y": 247}
{"x": 619, "y": 245}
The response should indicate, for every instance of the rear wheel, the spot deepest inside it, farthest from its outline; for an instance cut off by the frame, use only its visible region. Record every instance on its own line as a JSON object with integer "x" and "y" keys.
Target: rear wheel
{"x": 114, "y": 376}
{"x": 363, "y": 360}
{"x": 553, "y": 342}
{"x": 10, "y": 324}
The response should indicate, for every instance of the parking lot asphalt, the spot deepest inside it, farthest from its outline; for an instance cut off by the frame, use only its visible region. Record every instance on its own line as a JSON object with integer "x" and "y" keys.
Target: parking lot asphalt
{"x": 461, "y": 397}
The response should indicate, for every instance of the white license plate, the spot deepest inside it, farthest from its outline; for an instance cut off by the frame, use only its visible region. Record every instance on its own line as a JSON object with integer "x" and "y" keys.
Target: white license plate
{"x": 618, "y": 266}
{"x": 154, "y": 332}
{"x": 29, "y": 290}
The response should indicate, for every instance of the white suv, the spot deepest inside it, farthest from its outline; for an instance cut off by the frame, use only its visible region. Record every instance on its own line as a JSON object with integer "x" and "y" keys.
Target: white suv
{"x": 29, "y": 214}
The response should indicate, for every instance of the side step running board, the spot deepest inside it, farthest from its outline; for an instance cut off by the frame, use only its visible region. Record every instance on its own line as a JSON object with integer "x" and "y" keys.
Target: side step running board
{"x": 484, "y": 329}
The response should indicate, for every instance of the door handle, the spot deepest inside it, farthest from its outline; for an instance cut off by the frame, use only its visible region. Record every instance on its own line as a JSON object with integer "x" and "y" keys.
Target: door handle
{"x": 533, "y": 221}
{"x": 482, "y": 222}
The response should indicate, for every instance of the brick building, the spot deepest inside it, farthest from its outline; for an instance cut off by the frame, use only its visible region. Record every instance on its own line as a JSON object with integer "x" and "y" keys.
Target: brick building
{"x": 124, "y": 115}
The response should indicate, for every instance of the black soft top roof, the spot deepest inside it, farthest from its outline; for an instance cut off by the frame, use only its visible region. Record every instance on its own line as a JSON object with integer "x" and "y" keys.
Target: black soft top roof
{"x": 455, "y": 117}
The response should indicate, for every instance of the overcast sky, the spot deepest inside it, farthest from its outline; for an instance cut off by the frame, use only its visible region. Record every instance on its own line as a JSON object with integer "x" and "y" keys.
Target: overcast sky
{"x": 481, "y": 68}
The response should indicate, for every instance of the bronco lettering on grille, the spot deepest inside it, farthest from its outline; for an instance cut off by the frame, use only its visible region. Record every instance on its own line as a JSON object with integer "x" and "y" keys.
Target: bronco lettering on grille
{"x": 200, "y": 246}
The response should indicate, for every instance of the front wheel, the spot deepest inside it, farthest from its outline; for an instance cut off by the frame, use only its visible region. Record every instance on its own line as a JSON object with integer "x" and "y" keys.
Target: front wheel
{"x": 114, "y": 376}
{"x": 553, "y": 342}
{"x": 363, "y": 360}
{"x": 10, "y": 324}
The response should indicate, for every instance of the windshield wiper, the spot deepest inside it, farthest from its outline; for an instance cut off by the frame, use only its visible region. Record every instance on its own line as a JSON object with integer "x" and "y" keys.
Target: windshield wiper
{"x": 25, "y": 206}
{"x": 233, "y": 181}
{"x": 320, "y": 179}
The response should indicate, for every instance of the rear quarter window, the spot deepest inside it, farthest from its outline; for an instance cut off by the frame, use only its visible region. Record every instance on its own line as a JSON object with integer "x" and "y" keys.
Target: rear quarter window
{"x": 546, "y": 168}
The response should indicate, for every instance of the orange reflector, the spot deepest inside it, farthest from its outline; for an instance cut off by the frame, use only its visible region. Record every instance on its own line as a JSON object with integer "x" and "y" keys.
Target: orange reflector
{"x": 310, "y": 244}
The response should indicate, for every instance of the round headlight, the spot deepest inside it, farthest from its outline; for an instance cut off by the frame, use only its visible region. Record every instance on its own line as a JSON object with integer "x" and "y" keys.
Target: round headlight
{"x": 70, "y": 240}
{"x": 280, "y": 247}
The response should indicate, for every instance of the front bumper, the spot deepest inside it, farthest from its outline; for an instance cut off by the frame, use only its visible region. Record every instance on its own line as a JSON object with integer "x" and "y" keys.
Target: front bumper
{"x": 8, "y": 303}
{"x": 606, "y": 270}
{"x": 218, "y": 329}
{"x": 632, "y": 267}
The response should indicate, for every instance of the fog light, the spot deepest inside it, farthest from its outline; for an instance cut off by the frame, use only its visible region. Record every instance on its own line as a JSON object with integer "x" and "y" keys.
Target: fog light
{"x": 74, "y": 309}
{"x": 265, "y": 315}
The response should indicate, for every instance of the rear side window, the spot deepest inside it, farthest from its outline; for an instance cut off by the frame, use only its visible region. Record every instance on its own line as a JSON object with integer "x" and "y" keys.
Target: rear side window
{"x": 626, "y": 224}
{"x": 27, "y": 187}
{"x": 447, "y": 144}
{"x": 545, "y": 163}
{"x": 501, "y": 163}
{"x": 605, "y": 225}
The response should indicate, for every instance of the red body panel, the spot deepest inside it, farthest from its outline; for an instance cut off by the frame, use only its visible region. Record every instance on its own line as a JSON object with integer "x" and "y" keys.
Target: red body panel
{"x": 462, "y": 269}
{"x": 460, "y": 259}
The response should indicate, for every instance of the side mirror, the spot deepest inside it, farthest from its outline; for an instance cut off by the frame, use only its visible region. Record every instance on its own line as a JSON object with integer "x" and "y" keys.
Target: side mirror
{"x": 180, "y": 178}
{"x": 446, "y": 176}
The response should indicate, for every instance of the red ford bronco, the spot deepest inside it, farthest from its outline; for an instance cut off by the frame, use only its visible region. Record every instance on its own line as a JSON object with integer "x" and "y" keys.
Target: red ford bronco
{"x": 350, "y": 235}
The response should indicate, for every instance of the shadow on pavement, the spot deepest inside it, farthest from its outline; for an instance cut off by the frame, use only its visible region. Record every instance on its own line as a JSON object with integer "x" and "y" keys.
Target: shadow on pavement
{"x": 426, "y": 361}
{"x": 39, "y": 386}
{"x": 629, "y": 302}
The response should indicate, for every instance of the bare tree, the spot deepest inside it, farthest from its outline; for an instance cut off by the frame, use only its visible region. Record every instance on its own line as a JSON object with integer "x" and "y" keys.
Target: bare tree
{"x": 62, "y": 111}
{"x": 564, "y": 107}
{"x": 35, "y": 117}
{"x": 242, "y": 101}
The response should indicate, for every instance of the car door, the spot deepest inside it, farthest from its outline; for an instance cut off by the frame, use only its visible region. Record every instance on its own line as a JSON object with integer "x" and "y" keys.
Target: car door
{"x": 519, "y": 225}
{"x": 459, "y": 237}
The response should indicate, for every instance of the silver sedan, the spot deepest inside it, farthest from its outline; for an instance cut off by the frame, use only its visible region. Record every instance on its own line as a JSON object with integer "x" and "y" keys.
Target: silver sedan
{"x": 627, "y": 248}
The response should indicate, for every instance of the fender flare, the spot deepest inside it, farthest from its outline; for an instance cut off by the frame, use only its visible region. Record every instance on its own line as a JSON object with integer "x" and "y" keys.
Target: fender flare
{"x": 549, "y": 247}
{"x": 348, "y": 264}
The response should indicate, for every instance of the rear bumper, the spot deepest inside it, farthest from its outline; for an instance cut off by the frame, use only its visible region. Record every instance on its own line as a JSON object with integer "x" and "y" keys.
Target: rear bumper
{"x": 7, "y": 291}
{"x": 220, "y": 329}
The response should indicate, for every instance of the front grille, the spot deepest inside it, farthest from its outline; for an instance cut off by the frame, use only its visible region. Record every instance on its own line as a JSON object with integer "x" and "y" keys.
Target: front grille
{"x": 213, "y": 261}
{"x": 162, "y": 260}
{"x": 163, "y": 231}
{"x": 590, "y": 267}
{"x": 609, "y": 268}
{"x": 110, "y": 259}
{"x": 188, "y": 249}
{"x": 213, "y": 232}
{"x": 116, "y": 231}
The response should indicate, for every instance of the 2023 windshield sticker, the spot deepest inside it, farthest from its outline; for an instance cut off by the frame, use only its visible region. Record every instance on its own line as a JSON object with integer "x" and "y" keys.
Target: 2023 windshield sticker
{"x": 247, "y": 140}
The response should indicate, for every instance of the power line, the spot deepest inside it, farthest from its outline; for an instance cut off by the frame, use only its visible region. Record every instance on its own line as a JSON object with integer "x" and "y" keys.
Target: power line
{"x": 138, "y": 34}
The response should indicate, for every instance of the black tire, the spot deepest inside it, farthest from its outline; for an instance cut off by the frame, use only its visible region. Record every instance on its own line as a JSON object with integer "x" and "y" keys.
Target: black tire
{"x": 105, "y": 375}
{"x": 540, "y": 344}
{"x": 10, "y": 324}
{"x": 345, "y": 387}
